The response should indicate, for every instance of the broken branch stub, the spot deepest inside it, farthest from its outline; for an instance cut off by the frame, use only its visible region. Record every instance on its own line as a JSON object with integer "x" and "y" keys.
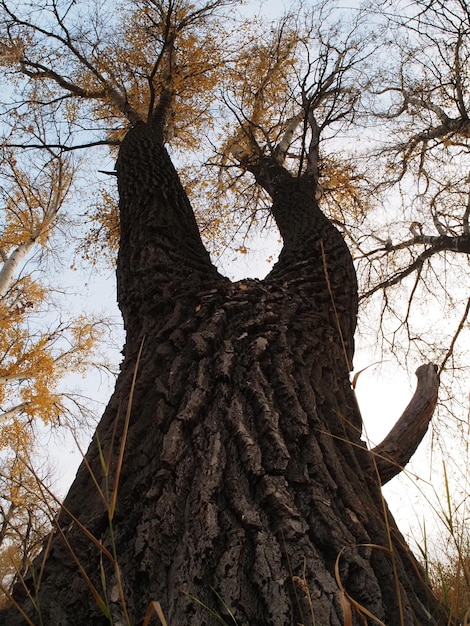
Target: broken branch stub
{"x": 394, "y": 452}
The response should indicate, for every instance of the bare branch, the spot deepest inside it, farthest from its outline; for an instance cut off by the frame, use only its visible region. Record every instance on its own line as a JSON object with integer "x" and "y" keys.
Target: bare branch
{"x": 394, "y": 452}
{"x": 443, "y": 243}
{"x": 459, "y": 329}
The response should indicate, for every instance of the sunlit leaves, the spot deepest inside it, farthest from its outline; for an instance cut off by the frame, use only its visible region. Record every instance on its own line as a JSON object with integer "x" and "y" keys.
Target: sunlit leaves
{"x": 294, "y": 86}
{"x": 101, "y": 242}
{"x": 114, "y": 61}
{"x": 252, "y": 86}
{"x": 31, "y": 200}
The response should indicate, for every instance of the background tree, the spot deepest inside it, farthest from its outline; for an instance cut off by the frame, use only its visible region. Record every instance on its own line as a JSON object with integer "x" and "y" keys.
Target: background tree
{"x": 38, "y": 349}
{"x": 422, "y": 104}
{"x": 414, "y": 268}
{"x": 26, "y": 512}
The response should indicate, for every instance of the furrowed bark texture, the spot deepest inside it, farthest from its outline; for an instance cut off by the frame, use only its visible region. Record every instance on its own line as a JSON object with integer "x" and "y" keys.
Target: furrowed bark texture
{"x": 244, "y": 475}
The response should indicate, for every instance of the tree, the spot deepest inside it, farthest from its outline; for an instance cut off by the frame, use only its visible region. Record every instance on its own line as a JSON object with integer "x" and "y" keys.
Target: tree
{"x": 27, "y": 508}
{"x": 38, "y": 349}
{"x": 414, "y": 265}
{"x": 422, "y": 106}
{"x": 228, "y": 469}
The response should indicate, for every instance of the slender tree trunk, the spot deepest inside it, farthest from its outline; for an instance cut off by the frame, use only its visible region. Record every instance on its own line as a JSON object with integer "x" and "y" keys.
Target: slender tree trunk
{"x": 245, "y": 485}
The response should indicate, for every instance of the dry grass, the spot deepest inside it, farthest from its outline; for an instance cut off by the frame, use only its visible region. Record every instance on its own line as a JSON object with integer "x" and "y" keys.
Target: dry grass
{"x": 447, "y": 562}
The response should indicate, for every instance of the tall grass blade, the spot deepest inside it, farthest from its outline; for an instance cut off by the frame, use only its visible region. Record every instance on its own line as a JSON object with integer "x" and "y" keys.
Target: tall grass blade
{"x": 211, "y": 611}
{"x": 449, "y": 517}
{"x": 154, "y": 608}
{"x": 112, "y": 506}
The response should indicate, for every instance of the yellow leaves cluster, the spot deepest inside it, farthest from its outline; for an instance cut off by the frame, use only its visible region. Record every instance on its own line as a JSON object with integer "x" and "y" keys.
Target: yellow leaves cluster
{"x": 38, "y": 347}
{"x": 344, "y": 189}
{"x": 258, "y": 84}
{"x": 31, "y": 201}
{"x": 17, "y": 229}
{"x": 101, "y": 242}
{"x": 143, "y": 49}
{"x": 11, "y": 51}
{"x": 128, "y": 54}
{"x": 169, "y": 50}
{"x": 32, "y": 362}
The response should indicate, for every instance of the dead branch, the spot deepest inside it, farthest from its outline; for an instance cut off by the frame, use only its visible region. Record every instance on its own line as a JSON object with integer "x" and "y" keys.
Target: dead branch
{"x": 394, "y": 452}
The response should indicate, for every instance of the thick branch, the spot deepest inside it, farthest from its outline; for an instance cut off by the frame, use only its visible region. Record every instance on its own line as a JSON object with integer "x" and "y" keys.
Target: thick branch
{"x": 161, "y": 113}
{"x": 456, "y": 126}
{"x": 160, "y": 239}
{"x": 107, "y": 91}
{"x": 13, "y": 412}
{"x": 394, "y": 452}
{"x": 59, "y": 187}
{"x": 62, "y": 147}
{"x": 40, "y": 72}
{"x": 12, "y": 263}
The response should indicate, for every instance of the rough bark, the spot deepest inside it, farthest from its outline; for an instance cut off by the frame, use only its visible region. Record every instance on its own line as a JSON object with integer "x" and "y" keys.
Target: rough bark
{"x": 394, "y": 452}
{"x": 244, "y": 475}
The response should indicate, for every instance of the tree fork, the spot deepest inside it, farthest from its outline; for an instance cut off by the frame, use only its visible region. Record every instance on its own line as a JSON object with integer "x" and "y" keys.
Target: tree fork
{"x": 244, "y": 471}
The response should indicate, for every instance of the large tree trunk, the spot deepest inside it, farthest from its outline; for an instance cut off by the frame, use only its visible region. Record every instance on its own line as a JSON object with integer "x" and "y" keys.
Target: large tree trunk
{"x": 244, "y": 480}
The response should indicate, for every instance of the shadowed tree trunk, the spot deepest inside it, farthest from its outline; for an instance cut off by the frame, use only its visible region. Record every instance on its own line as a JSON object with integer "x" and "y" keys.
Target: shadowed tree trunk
{"x": 244, "y": 473}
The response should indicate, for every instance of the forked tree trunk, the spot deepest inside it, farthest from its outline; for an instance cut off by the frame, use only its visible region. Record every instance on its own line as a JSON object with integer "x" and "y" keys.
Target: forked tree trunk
{"x": 244, "y": 482}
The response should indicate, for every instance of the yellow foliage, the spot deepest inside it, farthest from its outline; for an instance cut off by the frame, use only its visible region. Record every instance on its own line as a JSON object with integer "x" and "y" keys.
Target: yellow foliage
{"x": 143, "y": 50}
{"x": 31, "y": 200}
{"x": 209, "y": 65}
{"x": 27, "y": 511}
{"x": 101, "y": 242}
{"x": 11, "y": 51}
{"x": 344, "y": 189}
{"x": 33, "y": 360}
{"x": 36, "y": 352}
{"x": 33, "y": 363}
